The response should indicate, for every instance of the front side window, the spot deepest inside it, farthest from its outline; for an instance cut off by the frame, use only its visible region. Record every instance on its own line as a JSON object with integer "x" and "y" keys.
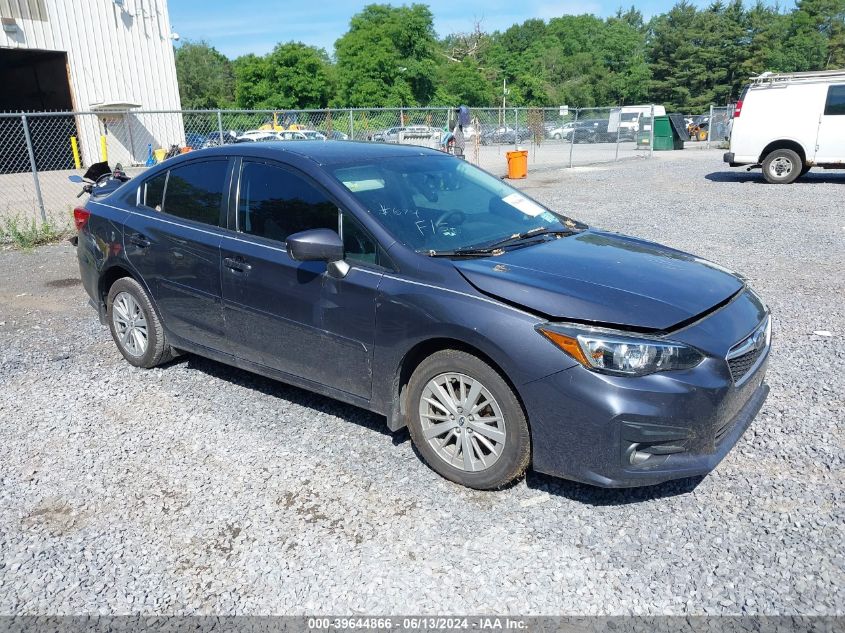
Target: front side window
{"x": 275, "y": 203}
{"x": 358, "y": 246}
{"x": 434, "y": 203}
{"x": 195, "y": 191}
{"x": 835, "y": 104}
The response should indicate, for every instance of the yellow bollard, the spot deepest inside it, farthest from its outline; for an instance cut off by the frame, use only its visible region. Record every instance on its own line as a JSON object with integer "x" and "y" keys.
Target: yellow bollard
{"x": 104, "y": 153}
{"x": 75, "y": 149}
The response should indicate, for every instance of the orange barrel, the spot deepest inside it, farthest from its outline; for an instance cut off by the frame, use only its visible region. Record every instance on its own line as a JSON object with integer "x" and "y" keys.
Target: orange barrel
{"x": 518, "y": 164}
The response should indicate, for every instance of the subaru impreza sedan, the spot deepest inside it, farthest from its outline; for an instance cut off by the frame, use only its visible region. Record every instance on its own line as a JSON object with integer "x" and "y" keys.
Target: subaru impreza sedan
{"x": 502, "y": 333}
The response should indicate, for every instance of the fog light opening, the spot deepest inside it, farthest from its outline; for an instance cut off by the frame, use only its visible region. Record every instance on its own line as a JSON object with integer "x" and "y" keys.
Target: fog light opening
{"x": 646, "y": 454}
{"x": 645, "y": 445}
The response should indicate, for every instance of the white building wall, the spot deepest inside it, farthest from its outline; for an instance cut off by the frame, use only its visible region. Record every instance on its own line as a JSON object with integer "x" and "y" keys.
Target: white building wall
{"x": 116, "y": 54}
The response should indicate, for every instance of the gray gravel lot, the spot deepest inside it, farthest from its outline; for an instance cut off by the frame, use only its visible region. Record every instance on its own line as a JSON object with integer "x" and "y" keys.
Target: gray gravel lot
{"x": 198, "y": 488}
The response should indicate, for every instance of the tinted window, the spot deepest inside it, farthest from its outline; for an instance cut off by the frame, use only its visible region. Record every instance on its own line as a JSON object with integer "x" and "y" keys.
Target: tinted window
{"x": 275, "y": 203}
{"x": 153, "y": 191}
{"x": 195, "y": 191}
{"x": 835, "y": 100}
{"x": 358, "y": 246}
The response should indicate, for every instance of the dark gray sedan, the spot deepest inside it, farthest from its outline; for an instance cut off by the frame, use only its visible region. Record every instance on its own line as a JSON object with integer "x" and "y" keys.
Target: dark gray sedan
{"x": 502, "y": 333}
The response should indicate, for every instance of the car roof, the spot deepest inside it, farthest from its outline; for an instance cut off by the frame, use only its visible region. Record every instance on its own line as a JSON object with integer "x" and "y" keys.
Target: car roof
{"x": 323, "y": 152}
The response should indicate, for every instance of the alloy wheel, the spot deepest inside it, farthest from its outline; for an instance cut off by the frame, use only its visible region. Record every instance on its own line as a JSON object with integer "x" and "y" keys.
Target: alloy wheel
{"x": 130, "y": 324}
{"x": 462, "y": 422}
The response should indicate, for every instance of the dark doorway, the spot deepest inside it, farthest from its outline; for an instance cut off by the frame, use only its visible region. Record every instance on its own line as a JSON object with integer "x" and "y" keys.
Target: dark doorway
{"x": 35, "y": 81}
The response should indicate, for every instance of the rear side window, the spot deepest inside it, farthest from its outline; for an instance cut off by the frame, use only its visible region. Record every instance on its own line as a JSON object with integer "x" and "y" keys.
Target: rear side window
{"x": 195, "y": 191}
{"x": 153, "y": 191}
{"x": 835, "y": 104}
{"x": 275, "y": 203}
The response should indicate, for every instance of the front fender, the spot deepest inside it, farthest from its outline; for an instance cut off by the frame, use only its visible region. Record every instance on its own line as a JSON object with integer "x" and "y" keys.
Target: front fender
{"x": 409, "y": 314}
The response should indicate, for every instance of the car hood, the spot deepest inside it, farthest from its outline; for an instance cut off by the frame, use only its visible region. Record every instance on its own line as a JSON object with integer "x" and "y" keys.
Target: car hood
{"x": 604, "y": 278}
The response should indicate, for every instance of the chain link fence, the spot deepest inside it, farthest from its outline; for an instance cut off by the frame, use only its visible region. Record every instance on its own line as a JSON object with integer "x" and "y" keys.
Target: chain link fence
{"x": 38, "y": 151}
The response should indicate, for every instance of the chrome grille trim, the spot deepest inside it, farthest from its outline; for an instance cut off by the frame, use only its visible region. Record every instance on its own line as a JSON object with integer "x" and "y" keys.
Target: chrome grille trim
{"x": 743, "y": 356}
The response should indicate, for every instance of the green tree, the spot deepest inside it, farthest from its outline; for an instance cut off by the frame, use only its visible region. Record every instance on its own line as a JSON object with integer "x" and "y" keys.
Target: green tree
{"x": 292, "y": 76}
{"x": 463, "y": 83}
{"x": 252, "y": 81}
{"x": 388, "y": 57}
{"x": 205, "y": 77}
{"x": 696, "y": 56}
{"x": 815, "y": 37}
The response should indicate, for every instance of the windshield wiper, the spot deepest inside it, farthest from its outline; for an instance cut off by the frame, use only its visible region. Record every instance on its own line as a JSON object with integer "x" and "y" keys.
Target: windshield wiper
{"x": 521, "y": 237}
{"x": 466, "y": 252}
{"x": 498, "y": 247}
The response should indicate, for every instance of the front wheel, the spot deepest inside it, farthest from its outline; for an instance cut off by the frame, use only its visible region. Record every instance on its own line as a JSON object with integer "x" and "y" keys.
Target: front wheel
{"x": 782, "y": 166}
{"x": 467, "y": 422}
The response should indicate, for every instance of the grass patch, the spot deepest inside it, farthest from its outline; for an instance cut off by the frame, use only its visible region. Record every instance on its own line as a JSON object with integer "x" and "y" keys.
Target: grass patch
{"x": 26, "y": 234}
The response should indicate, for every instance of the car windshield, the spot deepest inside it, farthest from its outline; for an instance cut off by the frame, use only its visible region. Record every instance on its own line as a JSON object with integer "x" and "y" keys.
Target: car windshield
{"x": 629, "y": 116}
{"x": 433, "y": 203}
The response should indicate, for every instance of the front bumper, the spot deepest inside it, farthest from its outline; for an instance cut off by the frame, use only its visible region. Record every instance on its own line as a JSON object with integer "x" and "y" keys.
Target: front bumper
{"x": 598, "y": 433}
{"x": 619, "y": 432}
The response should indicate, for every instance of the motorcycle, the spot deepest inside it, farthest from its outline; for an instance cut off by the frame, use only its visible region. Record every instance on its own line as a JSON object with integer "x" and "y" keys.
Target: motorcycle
{"x": 99, "y": 181}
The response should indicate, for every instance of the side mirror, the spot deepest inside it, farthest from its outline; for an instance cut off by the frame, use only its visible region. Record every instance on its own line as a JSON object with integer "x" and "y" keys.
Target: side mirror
{"x": 75, "y": 178}
{"x": 318, "y": 245}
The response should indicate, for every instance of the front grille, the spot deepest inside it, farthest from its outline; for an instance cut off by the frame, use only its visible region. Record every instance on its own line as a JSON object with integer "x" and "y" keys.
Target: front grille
{"x": 742, "y": 364}
{"x": 747, "y": 352}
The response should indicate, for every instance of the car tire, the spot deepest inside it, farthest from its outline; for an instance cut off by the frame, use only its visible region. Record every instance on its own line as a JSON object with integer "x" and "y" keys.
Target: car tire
{"x": 499, "y": 454}
{"x": 782, "y": 166}
{"x": 556, "y": 137}
{"x": 135, "y": 326}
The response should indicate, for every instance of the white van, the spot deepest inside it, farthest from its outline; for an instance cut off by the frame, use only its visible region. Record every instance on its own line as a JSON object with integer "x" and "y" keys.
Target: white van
{"x": 789, "y": 123}
{"x": 630, "y": 116}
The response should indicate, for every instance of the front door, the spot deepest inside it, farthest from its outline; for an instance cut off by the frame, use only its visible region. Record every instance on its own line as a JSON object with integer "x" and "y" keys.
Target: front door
{"x": 830, "y": 146}
{"x": 288, "y": 315}
{"x": 173, "y": 240}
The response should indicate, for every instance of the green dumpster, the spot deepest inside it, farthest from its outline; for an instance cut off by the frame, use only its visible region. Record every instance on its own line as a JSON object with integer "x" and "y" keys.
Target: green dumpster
{"x": 665, "y": 135}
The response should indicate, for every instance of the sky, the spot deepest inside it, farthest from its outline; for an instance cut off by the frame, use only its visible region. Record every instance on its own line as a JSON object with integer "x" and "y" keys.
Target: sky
{"x": 236, "y": 27}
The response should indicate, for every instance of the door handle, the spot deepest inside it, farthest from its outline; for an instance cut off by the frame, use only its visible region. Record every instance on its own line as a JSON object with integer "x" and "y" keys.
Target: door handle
{"x": 138, "y": 240}
{"x": 236, "y": 264}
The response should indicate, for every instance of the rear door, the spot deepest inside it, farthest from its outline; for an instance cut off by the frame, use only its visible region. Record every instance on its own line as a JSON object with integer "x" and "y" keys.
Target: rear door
{"x": 288, "y": 315}
{"x": 830, "y": 145}
{"x": 173, "y": 240}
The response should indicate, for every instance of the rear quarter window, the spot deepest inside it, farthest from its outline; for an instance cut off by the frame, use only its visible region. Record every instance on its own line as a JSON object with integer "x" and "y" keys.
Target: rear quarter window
{"x": 152, "y": 191}
{"x": 835, "y": 104}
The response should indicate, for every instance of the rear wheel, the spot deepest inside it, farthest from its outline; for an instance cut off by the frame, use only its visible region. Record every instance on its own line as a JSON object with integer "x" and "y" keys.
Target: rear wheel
{"x": 467, "y": 422}
{"x": 782, "y": 166}
{"x": 135, "y": 326}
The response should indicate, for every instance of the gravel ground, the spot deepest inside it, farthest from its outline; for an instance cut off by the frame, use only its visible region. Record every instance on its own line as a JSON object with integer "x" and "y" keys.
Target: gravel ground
{"x": 198, "y": 488}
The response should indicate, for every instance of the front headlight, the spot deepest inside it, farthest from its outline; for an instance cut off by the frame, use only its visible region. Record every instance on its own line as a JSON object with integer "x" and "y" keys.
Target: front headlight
{"x": 617, "y": 353}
